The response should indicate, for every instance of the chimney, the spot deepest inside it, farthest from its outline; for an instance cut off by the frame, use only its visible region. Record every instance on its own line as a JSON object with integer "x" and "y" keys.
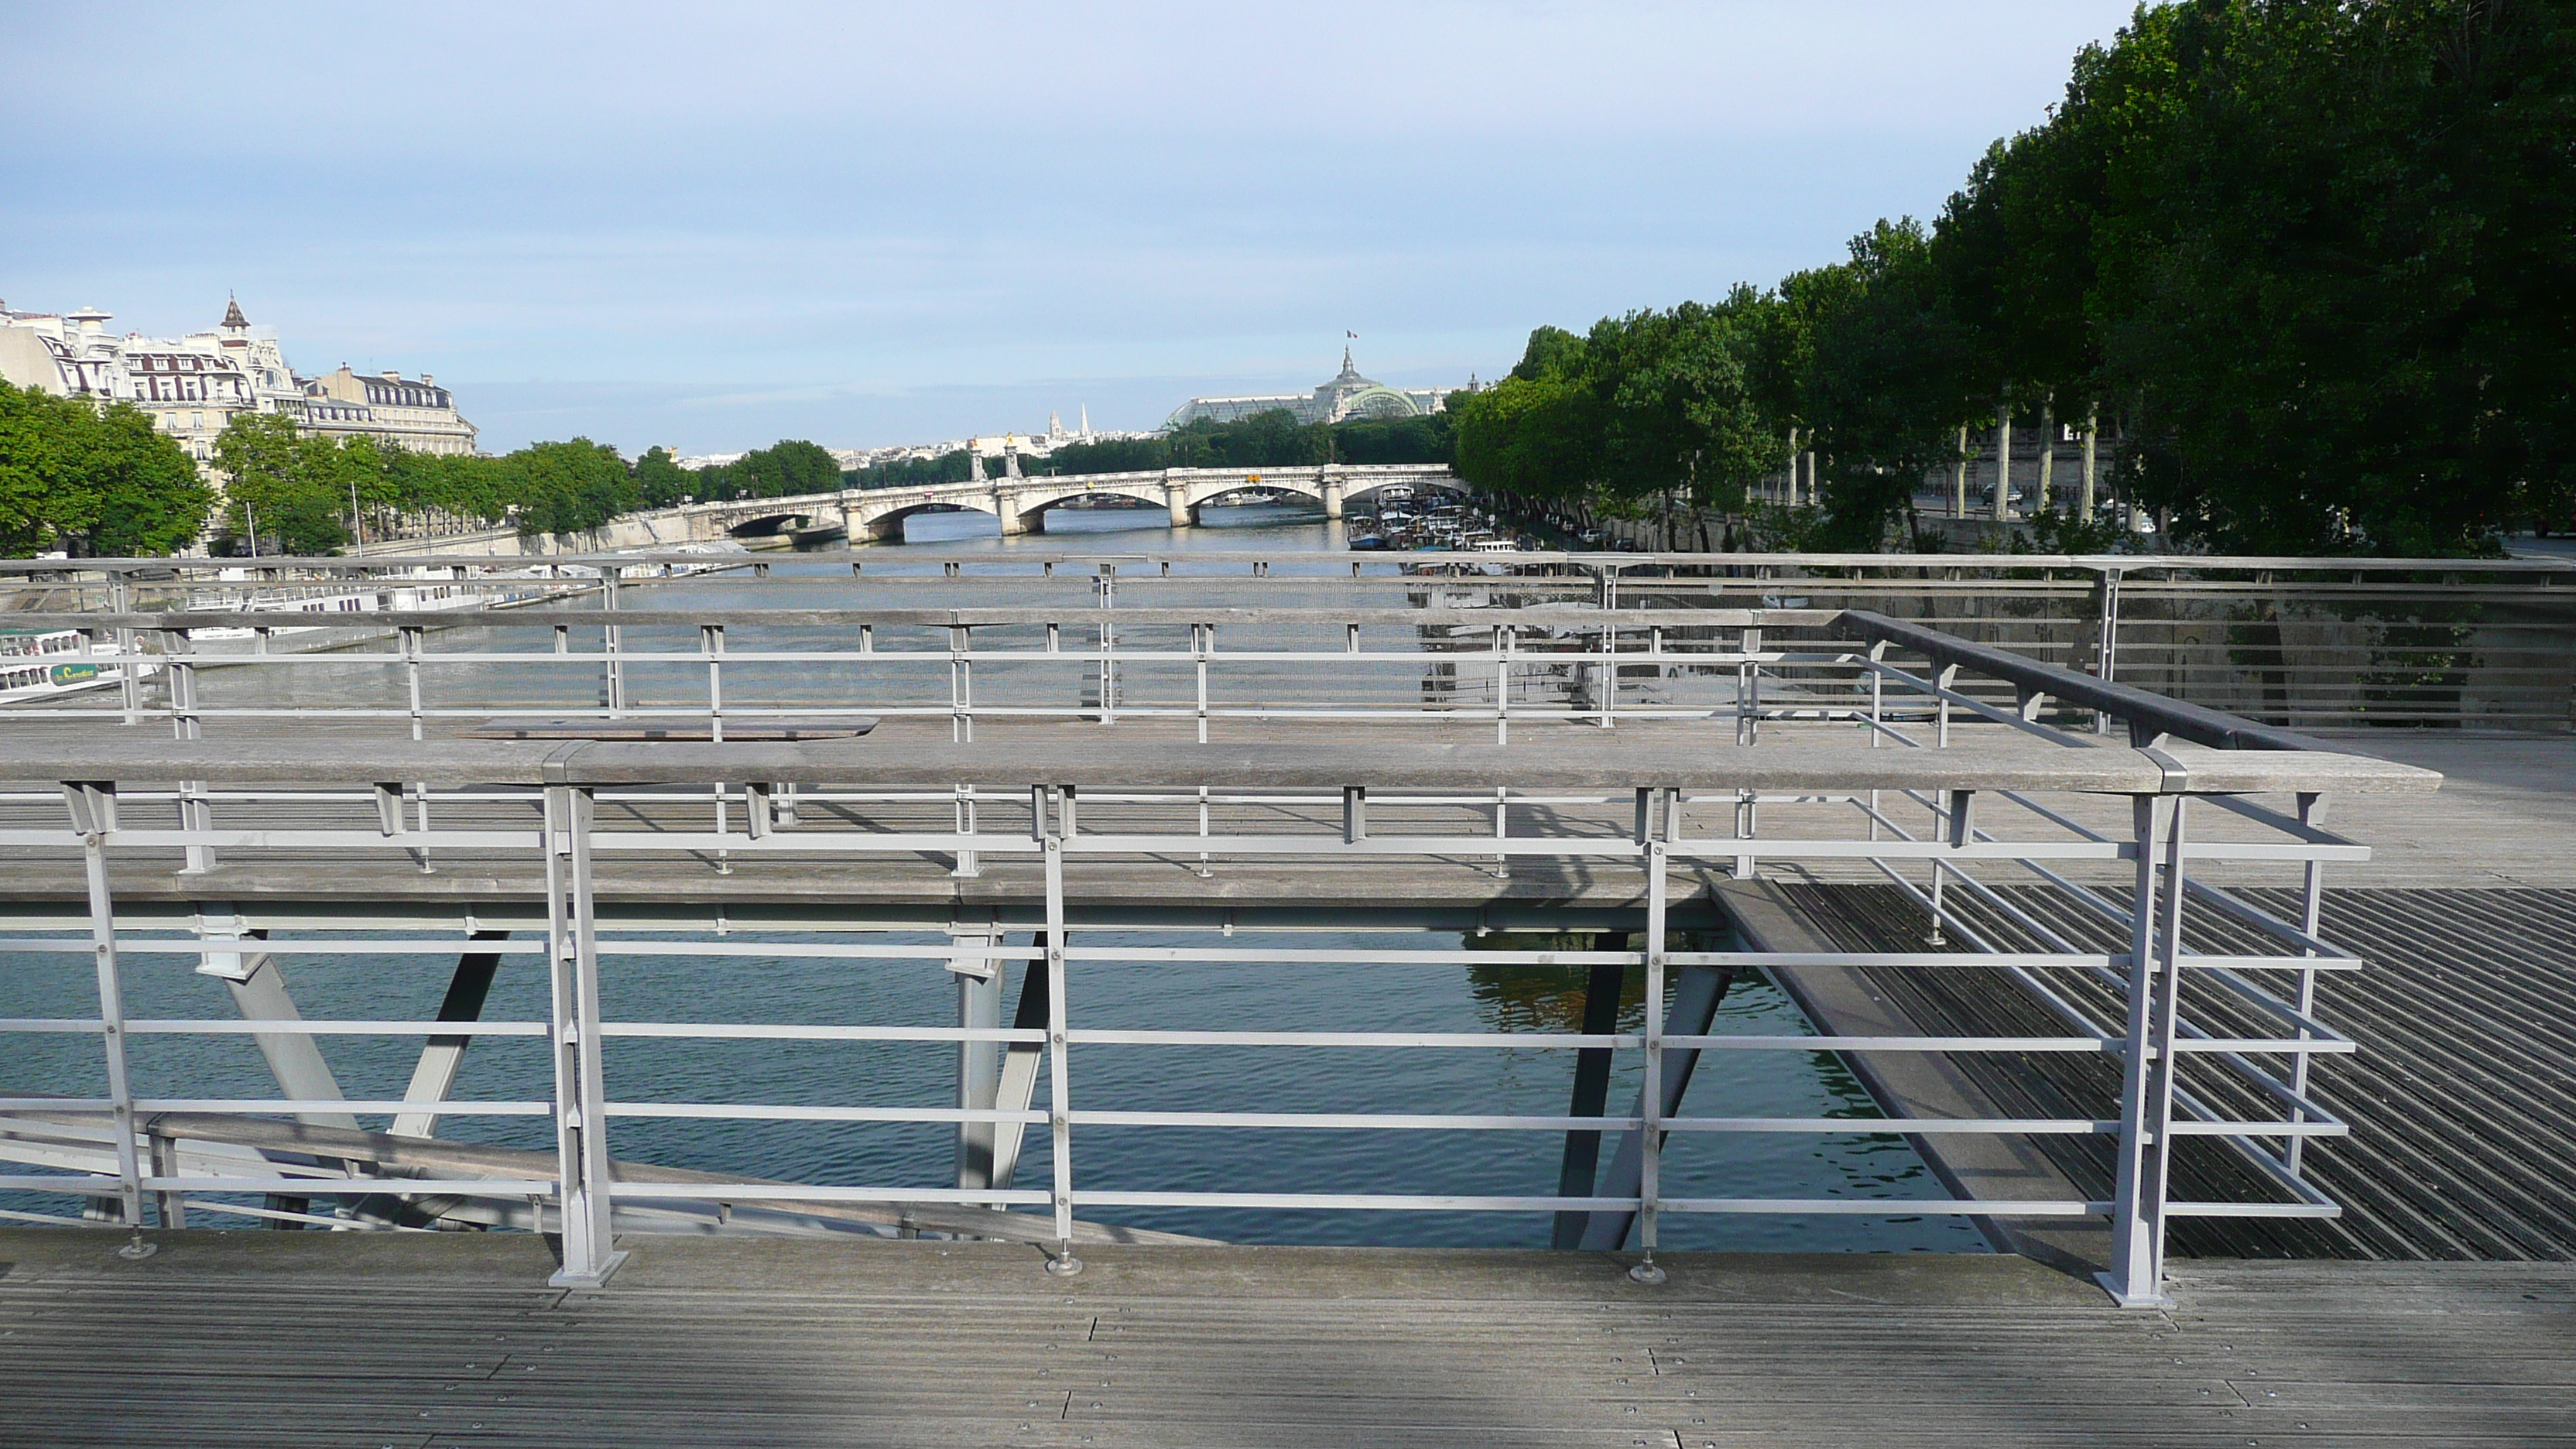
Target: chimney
{"x": 391, "y": 374}
{"x": 428, "y": 381}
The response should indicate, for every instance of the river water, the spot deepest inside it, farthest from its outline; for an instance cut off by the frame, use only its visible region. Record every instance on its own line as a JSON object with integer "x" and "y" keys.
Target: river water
{"x": 1388, "y": 997}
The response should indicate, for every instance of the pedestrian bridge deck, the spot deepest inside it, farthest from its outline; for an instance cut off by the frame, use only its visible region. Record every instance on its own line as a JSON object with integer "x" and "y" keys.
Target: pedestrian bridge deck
{"x": 374, "y": 1339}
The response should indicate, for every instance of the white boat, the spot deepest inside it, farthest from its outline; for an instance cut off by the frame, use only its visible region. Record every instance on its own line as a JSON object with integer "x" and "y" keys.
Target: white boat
{"x": 419, "y": 592}
{"x": 40, "y": 664}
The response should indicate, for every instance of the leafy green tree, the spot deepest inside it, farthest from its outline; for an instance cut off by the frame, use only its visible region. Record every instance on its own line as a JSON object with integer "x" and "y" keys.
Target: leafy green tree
{"x": 151, "y": 498}
{"x": 92, "y": 481}
{"x": 660, "y": 482}
{"x": 43, "y": 484}
{"x": 1891, "y": 375}
{"x": 1677, "y": 390}
{"x": 1425, "y": 438}
{"x": 284, "y": 483}
{"x": 569, "y": 487}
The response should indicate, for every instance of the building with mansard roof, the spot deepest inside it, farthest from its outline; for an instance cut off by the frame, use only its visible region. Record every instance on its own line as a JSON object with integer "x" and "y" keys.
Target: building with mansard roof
{"x": 415, "y": 412}
{"x": 192, "y": 386}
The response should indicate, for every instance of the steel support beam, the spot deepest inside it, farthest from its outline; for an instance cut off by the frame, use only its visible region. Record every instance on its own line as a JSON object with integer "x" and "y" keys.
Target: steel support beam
{"x": 979, "y": 1063}
{"x": 435, "y": 1075}
{"x": 1582, "y": 1159}
{"x": 259, "y": 992}
{"x": 1016, "y": 1085}
{"x": 1697, "y": 991}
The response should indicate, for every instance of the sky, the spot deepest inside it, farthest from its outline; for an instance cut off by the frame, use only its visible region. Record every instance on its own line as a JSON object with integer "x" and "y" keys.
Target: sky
{"x": 713, "y": 226}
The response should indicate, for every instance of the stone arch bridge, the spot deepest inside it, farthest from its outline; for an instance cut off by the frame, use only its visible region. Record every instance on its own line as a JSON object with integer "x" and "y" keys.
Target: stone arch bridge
{"x": 1021, "y": 503}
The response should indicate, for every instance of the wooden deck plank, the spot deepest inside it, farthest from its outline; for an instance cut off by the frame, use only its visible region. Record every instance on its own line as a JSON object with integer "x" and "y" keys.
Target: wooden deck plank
{"x": 416, "y": 1340}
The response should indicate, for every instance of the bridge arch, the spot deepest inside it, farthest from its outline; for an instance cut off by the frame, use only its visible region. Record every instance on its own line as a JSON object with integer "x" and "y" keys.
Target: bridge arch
{"x": 1358, "y": 490}
{"x": 1300, "y": 481}
{"x": 767, "y": 525}
{"x": 883, "y": 521}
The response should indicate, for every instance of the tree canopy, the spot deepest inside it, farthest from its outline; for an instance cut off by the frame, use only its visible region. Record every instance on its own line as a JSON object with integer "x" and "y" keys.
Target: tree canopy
{"x": 92, "y": 481}
{"x": 2307, "y": 261}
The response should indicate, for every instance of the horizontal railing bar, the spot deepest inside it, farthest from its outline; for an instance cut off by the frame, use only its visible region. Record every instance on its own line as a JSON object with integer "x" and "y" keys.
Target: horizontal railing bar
{"x": 795, "y": 1192}
{"x": 693, "y": 1111}
{"x": 277, "y": 1216}
{"x": 738, "y": 1031}
{"x": 307, "y": 1026}
{"x": 444, "y": 1107}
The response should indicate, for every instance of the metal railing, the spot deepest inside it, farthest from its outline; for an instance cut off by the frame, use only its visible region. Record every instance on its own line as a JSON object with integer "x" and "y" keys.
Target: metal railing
{"x": 601, "y": 846}
{"x": 2300, "y": 643}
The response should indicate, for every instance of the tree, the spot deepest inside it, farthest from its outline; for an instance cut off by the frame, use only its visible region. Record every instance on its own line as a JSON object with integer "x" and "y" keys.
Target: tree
{"x": 288, "y": 483}
{"x": 99, "y": 481}
{"x": 660, "y": 482}
{"x": 1677, "y": 389}
{"x": 1891, "y": 376}
{"x": 1538, "y": 432}
{"x": 151, "y": 498}
{"x": 569, "y": 487}
{"x": 42, "y": 481}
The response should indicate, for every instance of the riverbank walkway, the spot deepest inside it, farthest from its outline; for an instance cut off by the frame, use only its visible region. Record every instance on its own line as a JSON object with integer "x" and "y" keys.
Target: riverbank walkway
{"x": 251, "y": 1338}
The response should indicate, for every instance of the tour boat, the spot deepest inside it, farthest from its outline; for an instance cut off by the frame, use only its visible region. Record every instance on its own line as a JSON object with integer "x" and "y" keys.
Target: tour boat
{"x": 47, "y": 663}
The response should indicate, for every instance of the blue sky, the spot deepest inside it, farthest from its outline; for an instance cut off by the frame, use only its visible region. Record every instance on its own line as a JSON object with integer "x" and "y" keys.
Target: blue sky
{"x": 714, "y": 226}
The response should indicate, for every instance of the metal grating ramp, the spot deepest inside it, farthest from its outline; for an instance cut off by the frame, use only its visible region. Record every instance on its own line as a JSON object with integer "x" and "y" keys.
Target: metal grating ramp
{"x": 2462, "y": 1098}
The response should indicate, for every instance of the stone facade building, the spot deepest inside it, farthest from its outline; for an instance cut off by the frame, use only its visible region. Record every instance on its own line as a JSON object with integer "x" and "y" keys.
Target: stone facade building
{"x": 417, "y": 413}
{"x": 192, "y": 386}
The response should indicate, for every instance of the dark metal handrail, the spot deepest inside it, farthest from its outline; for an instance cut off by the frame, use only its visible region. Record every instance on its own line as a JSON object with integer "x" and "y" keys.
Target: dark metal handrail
{"x": 2147, "y": 715}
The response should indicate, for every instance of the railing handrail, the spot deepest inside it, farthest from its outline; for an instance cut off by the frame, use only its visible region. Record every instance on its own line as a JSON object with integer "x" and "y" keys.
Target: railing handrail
{"x": 1641, "y": 759}
{"x": 980, "y": 618}
{"x": 2145, "y": 713}
{"x": 1614, "y": 561}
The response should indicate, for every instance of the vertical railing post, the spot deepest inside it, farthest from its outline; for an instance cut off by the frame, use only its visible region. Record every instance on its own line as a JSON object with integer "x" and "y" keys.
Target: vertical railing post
{"x": 2106, "y": 649}
{"x": 1203, "y": 644}
{"x": 1108, "y": 673}
{"x": 2311, "y": 811}
{"x": 581, "y": 1127}
{"x": 1877, "y": 705}
{"x": 129, "y": 685}
{"x": 711, "y": 639}
{"x": 412, "y": 636}
{"x": 1748, "y": 689}
{"x": 185, "y": 724}
{"x": 1059, "y": 1075}
{"x": 2136, "y": 1276}
{"x": 92, "y": 804}
{"x": 969, "y": 863}
{"x": 1609, "y": 682}
{"x": 1653, "y": 837}
{"x": 612, "y": 641}
{"x": 414, "y": 643}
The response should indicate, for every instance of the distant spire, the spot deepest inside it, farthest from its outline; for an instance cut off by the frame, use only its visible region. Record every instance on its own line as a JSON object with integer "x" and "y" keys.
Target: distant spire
{"x": 232, "y": 312}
